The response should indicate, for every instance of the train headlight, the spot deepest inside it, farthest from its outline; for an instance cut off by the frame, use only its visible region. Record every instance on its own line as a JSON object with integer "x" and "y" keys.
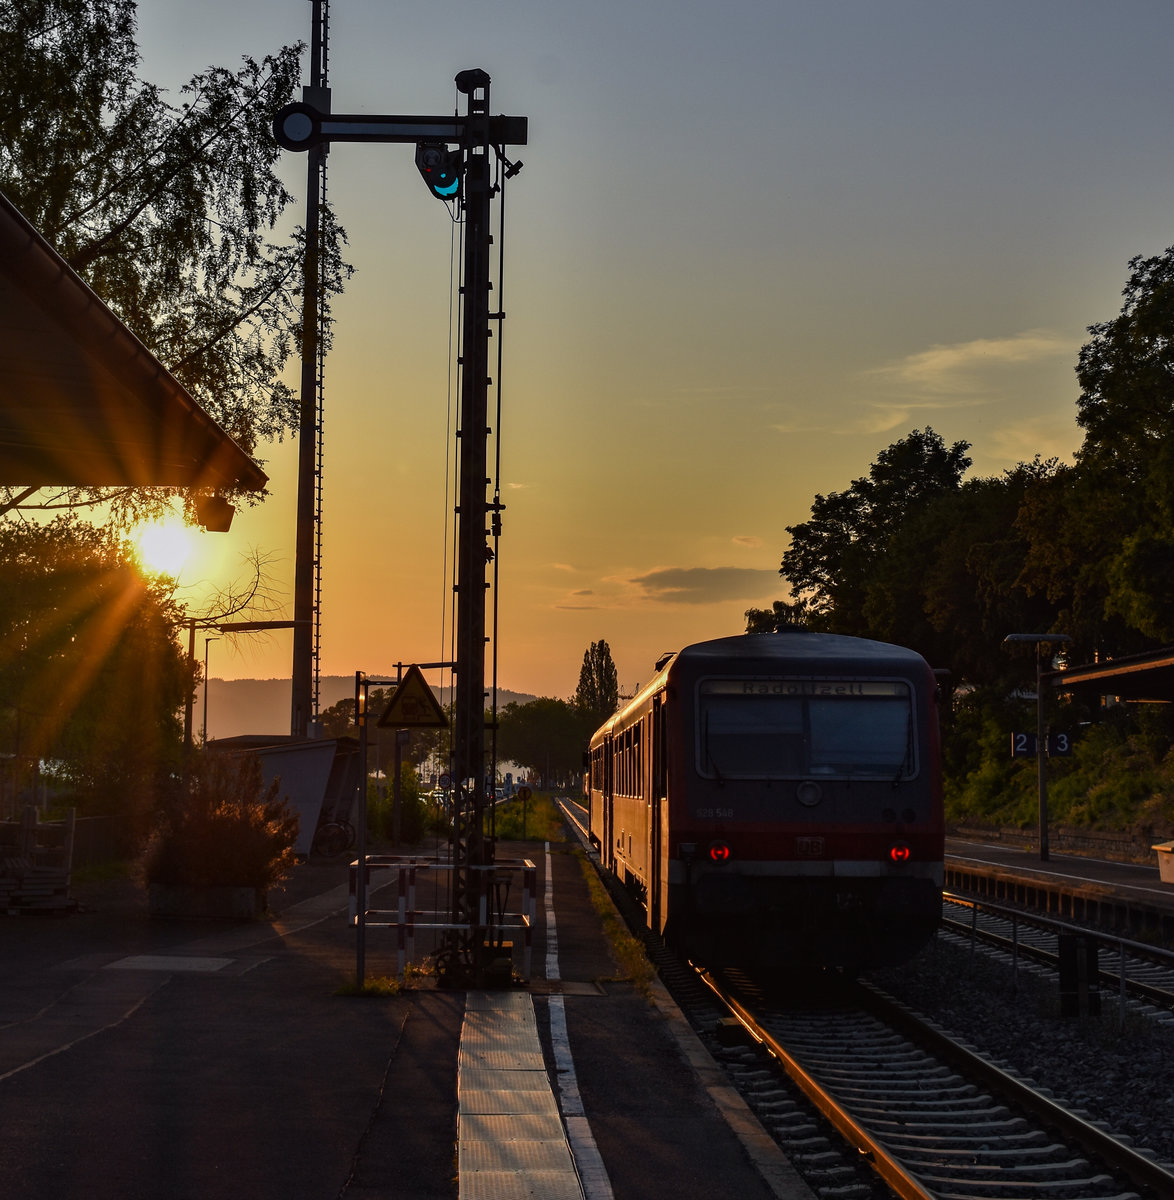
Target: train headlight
{"x": 899, "y": 853}
{"x": 719, "y": 852}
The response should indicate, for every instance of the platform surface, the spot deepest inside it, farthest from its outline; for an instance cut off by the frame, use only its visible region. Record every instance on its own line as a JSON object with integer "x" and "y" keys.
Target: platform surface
{"x": 1142, "y": 882}
{"x": 142, "y": 1059}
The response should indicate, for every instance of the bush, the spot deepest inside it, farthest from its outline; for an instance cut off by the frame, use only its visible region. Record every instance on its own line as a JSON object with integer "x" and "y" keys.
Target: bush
{"x": 226, "y": 830}
{"x": 381, "y": 809}
{"x": 536, "y": 821}
{"x": 986, "y": 784}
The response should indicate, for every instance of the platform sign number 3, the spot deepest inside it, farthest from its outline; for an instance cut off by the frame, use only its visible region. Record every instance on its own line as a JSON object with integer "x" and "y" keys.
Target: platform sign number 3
{"x": 1059, "y": 745}
{"x": 1025, "y": 745}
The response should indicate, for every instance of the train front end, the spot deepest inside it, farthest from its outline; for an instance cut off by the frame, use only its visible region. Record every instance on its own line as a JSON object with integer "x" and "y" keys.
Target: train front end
{"x": 803, "y": 822}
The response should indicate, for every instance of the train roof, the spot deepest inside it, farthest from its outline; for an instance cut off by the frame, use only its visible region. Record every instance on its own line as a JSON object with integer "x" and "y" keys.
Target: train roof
{"x": 797, "y": 651}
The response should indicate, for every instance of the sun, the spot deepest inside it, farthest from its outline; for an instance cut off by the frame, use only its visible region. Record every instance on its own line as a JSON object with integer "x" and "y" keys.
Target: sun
{"x": 164, "y": 547}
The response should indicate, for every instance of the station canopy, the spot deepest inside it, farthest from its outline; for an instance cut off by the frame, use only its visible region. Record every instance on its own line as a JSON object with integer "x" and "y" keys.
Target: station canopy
{"x": 1132, "y": 677}
{"x": 83, "y": 403}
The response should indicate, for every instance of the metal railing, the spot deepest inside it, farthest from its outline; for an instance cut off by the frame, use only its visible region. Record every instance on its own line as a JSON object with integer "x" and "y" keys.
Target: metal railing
{"x": 493, "y": 885}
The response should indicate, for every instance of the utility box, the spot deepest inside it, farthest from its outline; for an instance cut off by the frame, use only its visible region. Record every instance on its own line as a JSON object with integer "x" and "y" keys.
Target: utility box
{"x": 1165, "y": 861}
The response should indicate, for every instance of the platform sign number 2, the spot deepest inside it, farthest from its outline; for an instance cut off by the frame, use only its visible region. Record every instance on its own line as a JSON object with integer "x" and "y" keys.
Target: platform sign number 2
{"x": 1025, "y": 745}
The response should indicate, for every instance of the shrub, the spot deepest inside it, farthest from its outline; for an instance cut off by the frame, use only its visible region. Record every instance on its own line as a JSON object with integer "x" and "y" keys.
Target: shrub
{"x": 381, "y": 808}
{"x": 536, "y": 821}
{"x": 225, "y": 829}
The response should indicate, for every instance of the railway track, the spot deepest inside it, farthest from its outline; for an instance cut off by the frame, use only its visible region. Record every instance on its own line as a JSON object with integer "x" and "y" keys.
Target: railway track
{"x": 1131, "y": 969}
{"x": 928, "y": 1117}
{"x": 932, "y": 1118}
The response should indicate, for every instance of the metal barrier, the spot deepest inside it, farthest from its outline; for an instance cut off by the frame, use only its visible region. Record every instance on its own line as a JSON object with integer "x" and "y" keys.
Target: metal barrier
{"x": 1081, "y": 942}
{"x": 493, "y": 886}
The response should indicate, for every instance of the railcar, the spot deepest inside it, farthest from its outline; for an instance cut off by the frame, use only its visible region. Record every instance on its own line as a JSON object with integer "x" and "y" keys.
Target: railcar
{"x": 776, "y": 799}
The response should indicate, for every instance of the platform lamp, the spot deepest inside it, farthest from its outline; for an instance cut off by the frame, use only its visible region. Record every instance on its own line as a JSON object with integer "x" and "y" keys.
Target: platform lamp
{"x": 1040, "y": 640}
{"x": 207, "y": 642}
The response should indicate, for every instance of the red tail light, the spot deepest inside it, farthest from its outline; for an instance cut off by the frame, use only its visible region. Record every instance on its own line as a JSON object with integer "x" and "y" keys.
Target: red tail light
{"x": 899, "y": 852}
{"x": 719, "y": 852}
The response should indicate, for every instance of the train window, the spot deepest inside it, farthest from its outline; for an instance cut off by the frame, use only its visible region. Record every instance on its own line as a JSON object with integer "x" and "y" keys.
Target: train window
{"x": 784, "y": 729}
{"x": 861, "y": 737}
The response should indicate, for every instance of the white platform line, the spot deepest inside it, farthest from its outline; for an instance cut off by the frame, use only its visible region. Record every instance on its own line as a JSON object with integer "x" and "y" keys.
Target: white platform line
{"x": 592, "y": 1172}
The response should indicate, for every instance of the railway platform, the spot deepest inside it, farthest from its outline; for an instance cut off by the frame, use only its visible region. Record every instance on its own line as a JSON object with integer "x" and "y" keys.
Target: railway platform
{"x": 143, "y": 1058}
{"x": 1068, "y": 886}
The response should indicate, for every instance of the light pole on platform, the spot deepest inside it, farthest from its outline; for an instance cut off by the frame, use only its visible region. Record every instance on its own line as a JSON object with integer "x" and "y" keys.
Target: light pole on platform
{"x": 207, "y": 642}
{"x": 1040, "y": 640}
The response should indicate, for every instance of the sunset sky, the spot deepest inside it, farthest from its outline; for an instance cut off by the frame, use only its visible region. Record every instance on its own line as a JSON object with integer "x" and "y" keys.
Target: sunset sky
{"x": 753, "y": 245}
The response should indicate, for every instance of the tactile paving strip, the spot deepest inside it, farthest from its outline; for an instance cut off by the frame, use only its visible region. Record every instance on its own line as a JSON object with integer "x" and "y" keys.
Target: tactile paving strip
{"x": 510, "y": 1139}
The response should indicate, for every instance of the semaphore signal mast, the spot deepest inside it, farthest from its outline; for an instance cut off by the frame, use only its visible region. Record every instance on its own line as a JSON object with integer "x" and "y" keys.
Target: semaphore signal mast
{"x": 454, "y": 155}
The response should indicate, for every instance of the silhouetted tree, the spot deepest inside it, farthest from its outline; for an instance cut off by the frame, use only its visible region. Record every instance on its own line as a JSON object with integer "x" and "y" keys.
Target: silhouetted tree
{"x": 547, "y": 737}
{"x": 1125, "y": 467}
{"x": 598, "y": 692}
{"x": 833, "y": 555}
{"x": 780, "y": 615}
{"x": 167, "y": 210}
{"x": 91, "y": 673}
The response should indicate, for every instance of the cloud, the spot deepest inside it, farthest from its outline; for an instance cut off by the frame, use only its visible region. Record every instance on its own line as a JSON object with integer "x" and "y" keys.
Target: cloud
{"x": 1048, "y": 436}
{"x": 968, "y": 370}
{"x": 939, "y": 379}
{"x": 748, "y": 540}
{"x": 705, "y": 585}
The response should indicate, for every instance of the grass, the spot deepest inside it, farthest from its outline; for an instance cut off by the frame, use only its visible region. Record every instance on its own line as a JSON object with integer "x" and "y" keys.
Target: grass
{"x": 104, "y": 872}
{"x": 536, "y": 821}
{"x": 388, "y": 985}
{"x": 382, "y": 986}
{"x": 628, "y": 951}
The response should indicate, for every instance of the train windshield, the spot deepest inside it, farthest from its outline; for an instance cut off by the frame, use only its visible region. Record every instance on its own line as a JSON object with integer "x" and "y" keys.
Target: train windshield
{"x": 789, "y": 728}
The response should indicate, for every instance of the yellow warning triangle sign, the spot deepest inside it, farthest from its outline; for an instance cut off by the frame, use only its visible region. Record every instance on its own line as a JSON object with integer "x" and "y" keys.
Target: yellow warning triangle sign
{"x": 413, "y": 705}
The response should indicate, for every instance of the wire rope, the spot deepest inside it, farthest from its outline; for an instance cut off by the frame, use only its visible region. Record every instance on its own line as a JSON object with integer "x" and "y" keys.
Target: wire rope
{"x": 495, "y": 523}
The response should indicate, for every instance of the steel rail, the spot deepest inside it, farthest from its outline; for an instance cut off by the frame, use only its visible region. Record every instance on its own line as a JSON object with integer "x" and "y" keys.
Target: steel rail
{"x": 1110, "y": 943}
{"x": 1140, "y": 1169}
{"x": 882, "y": 1162}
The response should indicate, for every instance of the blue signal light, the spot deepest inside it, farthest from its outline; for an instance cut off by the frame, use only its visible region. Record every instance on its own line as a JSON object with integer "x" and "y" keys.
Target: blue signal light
{"x": 440, "y": 168}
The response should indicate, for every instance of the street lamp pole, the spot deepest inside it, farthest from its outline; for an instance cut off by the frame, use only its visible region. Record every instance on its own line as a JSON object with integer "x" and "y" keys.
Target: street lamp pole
{"x": 207, "y": 640}
{"x": 1040, "y": 640}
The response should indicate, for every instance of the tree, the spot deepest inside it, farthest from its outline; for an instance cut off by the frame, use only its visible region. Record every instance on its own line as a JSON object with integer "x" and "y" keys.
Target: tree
{"x": 779, "y": 616}
{"x": 91, "y": 674}
{"x": 1124, "y": 474}
{"x": 546, "y": 736}
{"x": 168, "y": 211}
{"x": 833, "y": 555}
{"x": 951, "y": 581}
{"x": 598, "y": 693}
{"x": 1126, "y": 376}
{"x": 423, "y": 745}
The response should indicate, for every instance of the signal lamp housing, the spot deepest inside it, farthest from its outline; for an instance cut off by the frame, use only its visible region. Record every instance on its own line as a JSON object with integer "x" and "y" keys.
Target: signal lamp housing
{"x": 440, "y": 168}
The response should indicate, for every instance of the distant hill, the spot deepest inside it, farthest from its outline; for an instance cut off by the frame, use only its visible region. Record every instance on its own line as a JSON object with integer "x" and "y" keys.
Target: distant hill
{"x": 237, "y": 706}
